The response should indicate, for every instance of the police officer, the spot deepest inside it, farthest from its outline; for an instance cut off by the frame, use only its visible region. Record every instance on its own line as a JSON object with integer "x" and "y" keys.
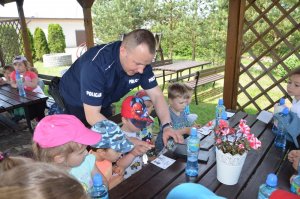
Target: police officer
{"x": 105, "y": 73}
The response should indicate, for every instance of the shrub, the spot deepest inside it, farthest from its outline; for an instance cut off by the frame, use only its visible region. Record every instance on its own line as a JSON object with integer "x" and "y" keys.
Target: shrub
{"x": 9, "y": 43}
{"x": 31, "y": 43}
{"x": 40, "y": 44}
{"x": 56, "y": 39}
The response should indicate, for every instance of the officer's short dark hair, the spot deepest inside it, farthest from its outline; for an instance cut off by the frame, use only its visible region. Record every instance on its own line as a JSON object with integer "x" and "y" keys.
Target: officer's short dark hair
{"x": 140, "y": 36}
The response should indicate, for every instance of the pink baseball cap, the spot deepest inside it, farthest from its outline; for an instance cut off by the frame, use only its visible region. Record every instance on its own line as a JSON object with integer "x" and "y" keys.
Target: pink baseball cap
{"x": 56, "y": 130}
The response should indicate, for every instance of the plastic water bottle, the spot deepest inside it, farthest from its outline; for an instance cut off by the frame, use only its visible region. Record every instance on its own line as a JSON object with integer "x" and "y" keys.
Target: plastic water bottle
{"x": 20, "y": 84}
{"x": 277, "y": 109}
{"x": 193, "y": 145}
{"x": 99, "y": 190}
{"x": 265, "y": 190}
{"x": 280, "y": 140}
{"x": 220, "y": 108}
{"x": 295, "y": 182}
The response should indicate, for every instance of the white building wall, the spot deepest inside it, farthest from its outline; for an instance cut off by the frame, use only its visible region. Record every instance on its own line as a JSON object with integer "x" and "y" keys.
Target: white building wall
{"x": 69, "y": 27}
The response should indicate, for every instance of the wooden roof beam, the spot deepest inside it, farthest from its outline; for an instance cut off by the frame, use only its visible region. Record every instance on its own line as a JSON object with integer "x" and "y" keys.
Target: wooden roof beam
{"x": 88, "y": 25}
{"x": 27, "y": 50}
{"x": 233, "y": 52}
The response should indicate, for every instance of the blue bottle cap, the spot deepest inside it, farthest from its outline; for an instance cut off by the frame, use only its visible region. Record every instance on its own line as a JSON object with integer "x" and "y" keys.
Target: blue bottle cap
{"x": 281, "y": 101}
{"x": 224, "y": 116}
{"x": 272, "y": 180}
{"x": 193, "y": 131}
{"x": 97, "y": 180}
{"x": 220, "y": 102}
{"x": 285, "y": 111}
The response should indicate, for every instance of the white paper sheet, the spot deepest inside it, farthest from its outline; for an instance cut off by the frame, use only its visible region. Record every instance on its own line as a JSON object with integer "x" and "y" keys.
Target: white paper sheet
{"x": 229, "y": 114}
{"x": 163, "y": 161}
{"x": 265, "y": 116}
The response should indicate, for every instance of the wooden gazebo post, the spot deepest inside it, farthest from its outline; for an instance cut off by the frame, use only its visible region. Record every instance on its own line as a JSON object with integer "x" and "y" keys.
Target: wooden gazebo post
{"x": 88, "y": 25}
{"x": 27, "y": 49}
{"x": 233, "y": 55}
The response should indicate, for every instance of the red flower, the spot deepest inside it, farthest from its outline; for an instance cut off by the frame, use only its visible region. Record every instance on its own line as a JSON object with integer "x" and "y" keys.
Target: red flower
{"x": 218, "y": 141}
{"x": 255, "y": 143}
{"x": 235, "y": 140}
{"x": 241, "y": 146}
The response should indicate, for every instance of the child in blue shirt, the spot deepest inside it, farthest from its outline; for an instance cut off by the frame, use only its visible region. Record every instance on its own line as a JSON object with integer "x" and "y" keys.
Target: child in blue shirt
{"x": 177, "y": 103}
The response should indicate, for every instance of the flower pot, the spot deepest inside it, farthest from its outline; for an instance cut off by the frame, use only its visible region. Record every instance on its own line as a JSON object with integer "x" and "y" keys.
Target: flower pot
{"x": 229, "y": 167}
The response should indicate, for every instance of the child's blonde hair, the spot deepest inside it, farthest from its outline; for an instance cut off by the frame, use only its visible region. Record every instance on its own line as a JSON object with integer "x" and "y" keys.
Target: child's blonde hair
{"x": 177, "y": 90}
{"x": 9, "y": 162}
{"x": 39, "y": 180}
{"x": 189, "y": 90}
{"x": 48, "y": 154}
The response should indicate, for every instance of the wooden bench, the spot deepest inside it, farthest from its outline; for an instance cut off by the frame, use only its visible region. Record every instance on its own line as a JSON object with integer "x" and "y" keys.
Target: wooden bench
{"x": 47, "y": 80}
{"x": 202, "y": 77}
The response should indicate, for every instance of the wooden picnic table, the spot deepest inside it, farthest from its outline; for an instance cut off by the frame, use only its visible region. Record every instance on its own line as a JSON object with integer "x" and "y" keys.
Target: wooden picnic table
{"x": 179, "y": 67}
{"x": 10, "y": 99}
{"x": 154, "y": 182}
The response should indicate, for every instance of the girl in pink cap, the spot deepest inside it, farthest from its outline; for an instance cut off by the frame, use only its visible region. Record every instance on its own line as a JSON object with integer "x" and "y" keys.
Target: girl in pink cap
{"x": 62, "y": 139}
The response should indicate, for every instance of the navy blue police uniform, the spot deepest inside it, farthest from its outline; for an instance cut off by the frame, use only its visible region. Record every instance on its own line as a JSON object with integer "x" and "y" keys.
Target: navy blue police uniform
{"x": 98, "y": 79}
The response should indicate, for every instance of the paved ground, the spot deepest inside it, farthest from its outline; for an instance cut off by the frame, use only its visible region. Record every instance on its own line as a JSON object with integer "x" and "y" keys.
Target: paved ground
{"x": 16, "y": 142}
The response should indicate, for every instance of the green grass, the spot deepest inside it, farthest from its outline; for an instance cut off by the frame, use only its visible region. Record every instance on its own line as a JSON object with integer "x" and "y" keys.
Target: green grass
{"x": 55, "y": 71}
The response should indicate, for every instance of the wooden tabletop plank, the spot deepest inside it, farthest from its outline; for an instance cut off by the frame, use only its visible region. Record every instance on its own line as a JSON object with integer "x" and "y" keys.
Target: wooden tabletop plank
{"x": 158, "y": 182}
{"x": 4, "y": 105}
{"x": 134, "y": 182}
{"x": 10, "y": 100}
{"x": 270, "y": 164}
{"x": 15, "y": 92}
{"x": 203, "y": 168}
{"x": 284, "y": 173}
{"x": 180, "y": 66}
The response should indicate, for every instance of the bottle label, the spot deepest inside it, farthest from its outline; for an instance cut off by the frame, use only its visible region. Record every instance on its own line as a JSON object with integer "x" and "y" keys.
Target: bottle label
{"x": 194, "y": 147}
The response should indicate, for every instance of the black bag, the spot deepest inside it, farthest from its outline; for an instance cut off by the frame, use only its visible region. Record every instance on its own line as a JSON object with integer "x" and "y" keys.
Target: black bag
{"x": 54, "y": 92}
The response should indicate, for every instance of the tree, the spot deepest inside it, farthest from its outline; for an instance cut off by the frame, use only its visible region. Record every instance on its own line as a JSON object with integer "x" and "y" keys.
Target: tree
{"x": 111, "y": 18}
{"x": 40, "y": 44}
{"x": 56, "y": 39}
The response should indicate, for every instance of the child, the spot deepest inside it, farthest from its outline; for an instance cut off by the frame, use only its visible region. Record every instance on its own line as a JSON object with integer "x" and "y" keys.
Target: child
{"x": 134, "y": 118}
{"x": 177, "y": 104}
{"x": 40, "y": 82}
{"x": 39, "y": 180}
{"x": 7, "y": 70}
{"x": 146, "y": 134}
{"x": 112, "y": 145}
{"x": 293, "y": 89}
{"x": 21, "y": 65}
{"x": 292, "y": 122}
{"x": 62, "y": 139}
{"x": 8, "y": 162}
{"x": 30, "y": 78}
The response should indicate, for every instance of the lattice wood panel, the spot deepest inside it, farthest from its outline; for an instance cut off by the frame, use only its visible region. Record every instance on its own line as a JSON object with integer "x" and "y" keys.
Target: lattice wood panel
{"x": 10, "y": 41}
{"x": 271, "y": 42}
